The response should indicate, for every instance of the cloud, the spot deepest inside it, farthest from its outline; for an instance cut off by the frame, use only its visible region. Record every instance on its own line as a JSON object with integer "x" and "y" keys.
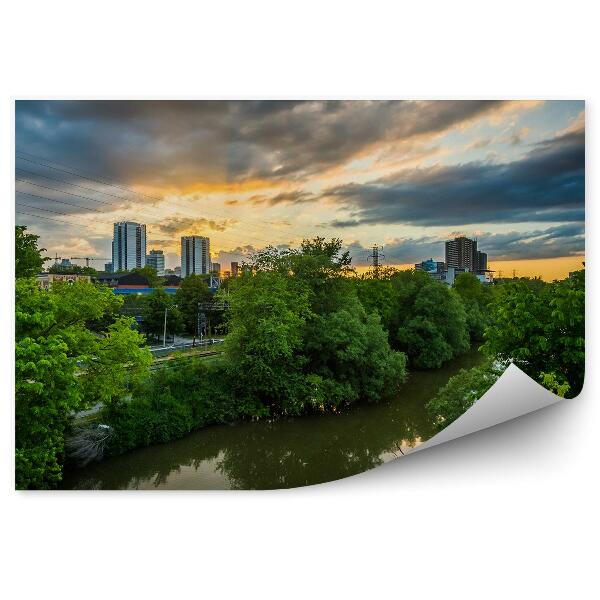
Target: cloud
{"x": 174, "y": 144}
{"x": 546, "y": 185}
{"x": 553, "y": 242}
{"x": 293, "y": 197}
{"x": 188, "y": 225}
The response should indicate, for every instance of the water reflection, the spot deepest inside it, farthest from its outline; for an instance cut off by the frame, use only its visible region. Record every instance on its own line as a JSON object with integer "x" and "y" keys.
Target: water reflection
{"x": 279, "y": 454}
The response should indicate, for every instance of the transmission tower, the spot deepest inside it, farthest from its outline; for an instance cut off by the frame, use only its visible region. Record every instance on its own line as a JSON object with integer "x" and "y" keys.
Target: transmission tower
{"x": 376, "y": 257}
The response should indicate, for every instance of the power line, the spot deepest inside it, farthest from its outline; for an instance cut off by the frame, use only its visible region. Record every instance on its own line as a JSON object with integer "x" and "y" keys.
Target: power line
{"x": 46, "y": 218}
{"x": 108, "y": 182}
{"x": 231, "y": 239}
{"x": 60, "y": 201}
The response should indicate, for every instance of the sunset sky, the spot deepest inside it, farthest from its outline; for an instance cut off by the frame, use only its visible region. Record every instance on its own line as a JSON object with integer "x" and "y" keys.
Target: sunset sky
{"x": 405, "y": 175}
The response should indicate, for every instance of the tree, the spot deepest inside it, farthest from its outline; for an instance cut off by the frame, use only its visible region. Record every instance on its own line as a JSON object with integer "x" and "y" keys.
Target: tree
{"x": 28, "y": 261}
{"x": 153, "y": 314}
{"x": 461, "y": 392}
{"x": 193, "y": 291}
{"x": 72, "y": 270}
{"x": 66, "y": 360}
{"x": 475, "y": 298}
{"x": 149, "y": 273}
{"x": 541, "y": 328}
{"x": 429, "y": 322}
{"x": 300, "y": 339}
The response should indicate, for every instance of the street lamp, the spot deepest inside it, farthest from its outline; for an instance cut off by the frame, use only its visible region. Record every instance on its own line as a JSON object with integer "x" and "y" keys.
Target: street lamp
{"x": 165, "y": 330}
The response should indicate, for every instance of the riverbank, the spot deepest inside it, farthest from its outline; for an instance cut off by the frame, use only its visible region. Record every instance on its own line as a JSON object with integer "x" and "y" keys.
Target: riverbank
{"x": 285, "y": 453}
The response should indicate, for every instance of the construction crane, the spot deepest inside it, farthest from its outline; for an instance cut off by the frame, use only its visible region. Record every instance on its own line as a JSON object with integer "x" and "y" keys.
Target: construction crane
{"x": 87, "y": 259}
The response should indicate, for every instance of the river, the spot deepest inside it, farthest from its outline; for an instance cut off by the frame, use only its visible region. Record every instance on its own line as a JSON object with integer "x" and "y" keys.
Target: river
{"x": 284, "y": 453}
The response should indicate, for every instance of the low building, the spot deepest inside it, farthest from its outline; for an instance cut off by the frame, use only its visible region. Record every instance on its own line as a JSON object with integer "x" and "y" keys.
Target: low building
{"x": 430, "y": 266}
{"x": 45, "y": 280}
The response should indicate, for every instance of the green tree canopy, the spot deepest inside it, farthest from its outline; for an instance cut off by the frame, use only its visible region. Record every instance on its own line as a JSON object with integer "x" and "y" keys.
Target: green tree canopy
{"x": 192, "y": 291}
{"x": 461, "y": 392}
{"x": 153, "y": 314}
{"x": 149, "y": 273}
{"x": 28, "y": 261}
{"x": 428, "y": 322}
{"x": 72, "y": 270}
{"x": 300, "y": 339}
{"x": 475, "y": 297}
{"x": 67, "y": 359}
{"x": 541, "y": 328}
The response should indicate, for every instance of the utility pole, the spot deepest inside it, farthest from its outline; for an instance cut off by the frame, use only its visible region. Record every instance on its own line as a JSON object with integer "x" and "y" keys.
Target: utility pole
{"x": 376, "y": 257}
{"x": 165, "y": 330}
{"x": 198, "y": 322}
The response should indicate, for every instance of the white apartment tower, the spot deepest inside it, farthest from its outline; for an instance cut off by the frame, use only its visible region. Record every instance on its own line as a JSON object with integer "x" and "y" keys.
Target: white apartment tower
{"x": 129, "y": 246}
{"x": 195, "y": 255}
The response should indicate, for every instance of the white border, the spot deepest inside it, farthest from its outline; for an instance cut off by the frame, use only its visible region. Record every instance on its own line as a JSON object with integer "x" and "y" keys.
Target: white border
{"x": 509, "y": 512}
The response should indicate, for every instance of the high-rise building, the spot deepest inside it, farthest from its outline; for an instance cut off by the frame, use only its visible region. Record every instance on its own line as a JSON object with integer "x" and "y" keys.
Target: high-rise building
{"x": 216, "y": 268}
{"x": 481, "y": 262}
{"x": 108, "y": 267}
{"x": 156, "y": 259}
{"x": 235, "y": 268}
{"x": 461, "y": 253}
{"x": 195, "y": 255}
{"x": 129, "y": 246}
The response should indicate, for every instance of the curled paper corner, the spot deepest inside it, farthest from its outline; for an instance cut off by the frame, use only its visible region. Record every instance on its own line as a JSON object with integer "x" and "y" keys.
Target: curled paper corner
{"x": 513, "y": 395}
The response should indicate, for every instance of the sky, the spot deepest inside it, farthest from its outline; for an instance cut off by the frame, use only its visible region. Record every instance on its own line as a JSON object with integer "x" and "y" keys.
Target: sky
{"x": 405, "y": 175}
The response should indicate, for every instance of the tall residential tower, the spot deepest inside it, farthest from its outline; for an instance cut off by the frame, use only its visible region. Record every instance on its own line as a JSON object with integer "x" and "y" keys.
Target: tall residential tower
{"x": 462, "y": 253}
{"x": 195, "y": 255}
{"x": 128, "y": 246}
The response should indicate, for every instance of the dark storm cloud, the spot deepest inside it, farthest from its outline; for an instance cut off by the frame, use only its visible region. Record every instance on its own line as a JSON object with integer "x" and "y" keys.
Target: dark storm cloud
{"x": 547, "y": 185}
{"x": 554, "y": 242}
{"x": 176, "y": 143}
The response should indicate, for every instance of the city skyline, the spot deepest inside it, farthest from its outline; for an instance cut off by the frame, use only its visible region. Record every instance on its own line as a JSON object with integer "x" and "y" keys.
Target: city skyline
{"x": 405, "y": 175}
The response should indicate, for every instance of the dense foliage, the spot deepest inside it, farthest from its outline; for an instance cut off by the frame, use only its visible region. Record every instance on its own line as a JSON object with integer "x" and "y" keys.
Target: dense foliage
{"x": 424, "y": 318}
{"x": 461, "y": 392}
{"x": 192, "y": 294}
{"x": 305, "y": 333}
{"x": 72, "y": 350}
{"x": 299, "y": 337}
{"x": 28, "y": 260}
{"x": 475, "y": 298}
{"x": 541, "y": 328}
{"x": 156, "y": 306}
{"x": 186, "y": 395}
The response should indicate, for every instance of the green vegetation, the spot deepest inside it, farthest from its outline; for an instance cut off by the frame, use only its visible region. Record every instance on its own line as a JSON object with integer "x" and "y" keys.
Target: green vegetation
{"x": 305, "y": 334}
{"x": 153, "y": 314}
{"x": 461, "y": 392}
{"x": 193, "y": 291}
{"x": 475, "y": 298}
{"x": 301, "y": 340}
{"x": 423, "y": 318}
{"x": 72, "y": 270}
{"x": 28, "y": 260}
{"x": 540, "y": 327}
{"x": 72, "y": 351}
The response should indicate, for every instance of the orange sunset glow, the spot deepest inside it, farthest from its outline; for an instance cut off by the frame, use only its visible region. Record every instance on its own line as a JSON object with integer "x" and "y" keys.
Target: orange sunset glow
{"x": 403, "y": 175}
